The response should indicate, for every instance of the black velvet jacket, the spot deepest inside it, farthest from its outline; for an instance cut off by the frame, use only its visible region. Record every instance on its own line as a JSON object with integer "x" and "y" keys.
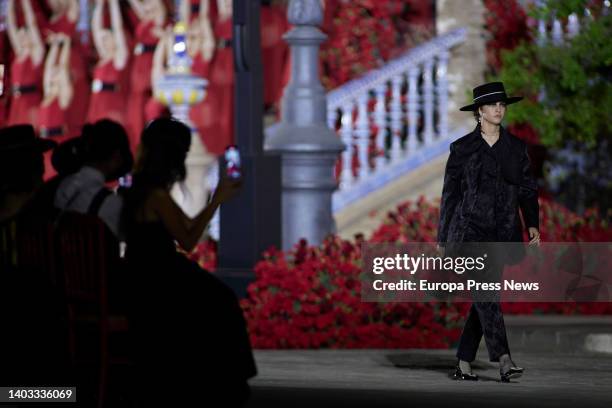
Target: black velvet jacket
{"x": 461, "y": 184}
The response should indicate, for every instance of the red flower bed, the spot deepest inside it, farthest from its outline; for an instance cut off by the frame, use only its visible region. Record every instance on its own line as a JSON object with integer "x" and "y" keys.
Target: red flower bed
{"x": 418, "y": 222}
{"x": 205, "y": 254}
{"x": 310, "y": 297}
{"x": 362, "y": 34}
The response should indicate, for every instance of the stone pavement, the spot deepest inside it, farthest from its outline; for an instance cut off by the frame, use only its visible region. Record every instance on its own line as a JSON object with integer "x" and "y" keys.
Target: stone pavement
{"x": 567, "y": 360}
{"x": 420, "y": 378}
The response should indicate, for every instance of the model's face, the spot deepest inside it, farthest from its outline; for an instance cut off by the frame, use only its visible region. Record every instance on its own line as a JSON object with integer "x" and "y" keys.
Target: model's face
{"x": 493, "y": 112}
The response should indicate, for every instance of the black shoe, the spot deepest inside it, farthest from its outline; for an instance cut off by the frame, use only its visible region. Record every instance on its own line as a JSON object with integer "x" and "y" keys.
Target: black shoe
{"x": 513, "y": 372}
{"x": 460, "y": 375}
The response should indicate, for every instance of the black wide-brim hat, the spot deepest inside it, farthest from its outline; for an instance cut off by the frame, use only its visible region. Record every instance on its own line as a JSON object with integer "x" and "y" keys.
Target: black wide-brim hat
{"x": 19, "y": 138}
{"x": 489, "y": 93}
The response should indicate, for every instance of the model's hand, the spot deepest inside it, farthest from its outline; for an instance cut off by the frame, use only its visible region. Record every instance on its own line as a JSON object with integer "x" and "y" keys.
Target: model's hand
{"x": 534, "y": 236}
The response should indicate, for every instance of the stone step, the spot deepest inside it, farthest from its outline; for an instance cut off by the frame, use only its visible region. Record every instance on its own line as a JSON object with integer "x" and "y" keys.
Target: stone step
{"x": 367, "y": 214}
{"x": 559, "y": 334}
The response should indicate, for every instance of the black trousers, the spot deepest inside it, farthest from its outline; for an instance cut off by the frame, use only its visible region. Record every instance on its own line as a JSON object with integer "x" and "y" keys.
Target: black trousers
{"x": 485, "y": 316}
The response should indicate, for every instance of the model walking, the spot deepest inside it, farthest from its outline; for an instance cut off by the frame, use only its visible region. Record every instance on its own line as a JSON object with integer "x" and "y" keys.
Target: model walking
{"x": 487, "y": 179}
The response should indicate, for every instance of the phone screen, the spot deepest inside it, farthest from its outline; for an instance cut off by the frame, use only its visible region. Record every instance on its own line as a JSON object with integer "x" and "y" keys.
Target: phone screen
{"x": 232, "y": 162}
{"x": 125, "y": 181}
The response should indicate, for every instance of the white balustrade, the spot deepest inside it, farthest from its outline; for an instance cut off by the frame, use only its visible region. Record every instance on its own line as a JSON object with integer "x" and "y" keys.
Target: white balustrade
{"x": 413, "y": 108}
{"x": 557, "y": 32}
{"x": 542, "y": 38}
{"x": 573, "y": 25}
{"x": 353, "y": 99}
{"x": 346, "y": 133}
{"x": 442, "y": 92}
{"x": 428, "y": 101}
{"x": 553, "y": 28}
{"x": 380, "y": 118}
{"x": 332, "y": 118}
{"x": 362, "y": 130}
{"x": 396, "y": 117}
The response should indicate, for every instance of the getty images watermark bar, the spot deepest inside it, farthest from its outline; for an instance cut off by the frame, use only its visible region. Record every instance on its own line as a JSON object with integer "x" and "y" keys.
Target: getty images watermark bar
{"x": 18, "y": 395}
{"x": 487, "y": 271}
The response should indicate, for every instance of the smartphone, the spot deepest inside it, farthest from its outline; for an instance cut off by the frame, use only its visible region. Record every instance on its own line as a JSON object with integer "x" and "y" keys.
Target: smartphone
{"x": 125, "y": 181}
{"x": 232, "y": 162}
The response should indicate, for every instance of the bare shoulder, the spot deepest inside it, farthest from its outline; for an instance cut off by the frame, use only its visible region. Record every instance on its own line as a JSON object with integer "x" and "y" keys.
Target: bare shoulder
{"x": 155, "y": 199}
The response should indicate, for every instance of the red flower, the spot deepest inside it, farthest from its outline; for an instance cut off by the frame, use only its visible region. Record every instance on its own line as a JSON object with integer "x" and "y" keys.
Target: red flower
{"x": 311, "y": 296}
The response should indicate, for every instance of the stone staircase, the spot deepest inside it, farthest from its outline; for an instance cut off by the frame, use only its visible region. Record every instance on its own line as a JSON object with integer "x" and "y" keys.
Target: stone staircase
{"x": 366, "y": 214}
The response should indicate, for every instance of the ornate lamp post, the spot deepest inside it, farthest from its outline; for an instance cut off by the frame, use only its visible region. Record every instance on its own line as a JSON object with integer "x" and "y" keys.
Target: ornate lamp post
{"x": 179, "y": 90}
{"x": 309, "y": 149}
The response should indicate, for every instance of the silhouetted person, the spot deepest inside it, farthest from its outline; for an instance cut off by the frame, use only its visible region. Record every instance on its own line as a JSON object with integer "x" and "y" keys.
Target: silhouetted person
{"x": 190, "y": 333}
{"x": 107, "y": 157}
{"x": 33, "y": 344}
{"x": 66, "y": 159}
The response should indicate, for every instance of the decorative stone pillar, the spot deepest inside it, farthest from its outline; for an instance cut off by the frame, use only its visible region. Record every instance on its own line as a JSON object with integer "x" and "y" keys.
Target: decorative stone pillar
{"x": 467, "y": 63}
{"x": 309, "y": 149}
